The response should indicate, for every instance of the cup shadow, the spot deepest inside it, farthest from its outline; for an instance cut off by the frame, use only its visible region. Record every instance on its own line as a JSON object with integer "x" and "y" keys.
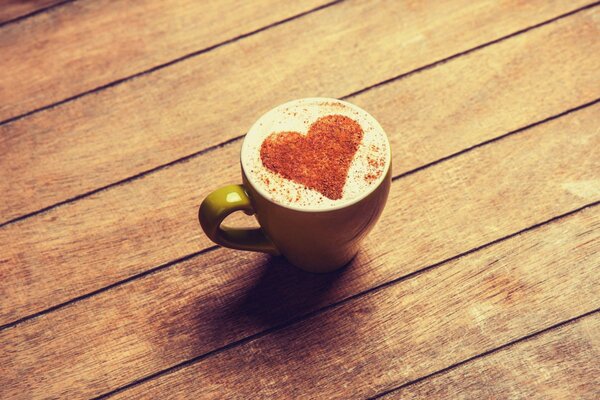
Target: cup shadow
{"x": 283, "y": 292}
{"x": 272, "y": 303}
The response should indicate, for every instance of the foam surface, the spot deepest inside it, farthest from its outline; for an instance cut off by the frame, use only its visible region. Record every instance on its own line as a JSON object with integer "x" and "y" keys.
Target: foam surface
{"x": 367, "y": 170}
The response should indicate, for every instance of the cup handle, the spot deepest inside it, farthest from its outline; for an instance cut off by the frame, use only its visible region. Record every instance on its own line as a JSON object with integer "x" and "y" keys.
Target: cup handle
{"x": 217, "y": 206}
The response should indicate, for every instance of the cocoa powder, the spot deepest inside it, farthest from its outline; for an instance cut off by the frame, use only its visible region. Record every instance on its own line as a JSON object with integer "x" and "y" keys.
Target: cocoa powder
{"x": 319, "y": 160}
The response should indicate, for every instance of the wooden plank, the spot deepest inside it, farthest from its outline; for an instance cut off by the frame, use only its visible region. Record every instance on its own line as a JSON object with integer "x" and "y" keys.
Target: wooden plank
{"x": 130, "y": 128}
{"x": 560, "y": 364}
{"x": 96, "y": 42}
{"x": 414, "y": 328}
{"x": 209, "y": 301}
{"x": 13, "y": 9}
{"x": 83, "y": 246}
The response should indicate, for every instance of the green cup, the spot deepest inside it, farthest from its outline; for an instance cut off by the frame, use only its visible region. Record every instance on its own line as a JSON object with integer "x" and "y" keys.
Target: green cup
{"x": 315, "y": 240}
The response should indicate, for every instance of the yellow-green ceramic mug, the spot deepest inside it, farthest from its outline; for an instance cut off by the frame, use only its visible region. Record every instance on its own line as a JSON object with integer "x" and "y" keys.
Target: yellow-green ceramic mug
{"x": 315, "y": 240}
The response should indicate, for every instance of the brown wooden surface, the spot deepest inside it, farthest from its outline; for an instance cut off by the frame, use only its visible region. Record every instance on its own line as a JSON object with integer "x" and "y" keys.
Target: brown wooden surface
{"x": 13, "y": 10}
{"x": 481, "y": 280}
{"x": 97, "y": 240}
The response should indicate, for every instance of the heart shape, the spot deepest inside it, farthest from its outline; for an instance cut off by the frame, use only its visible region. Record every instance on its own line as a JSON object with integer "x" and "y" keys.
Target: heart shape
{"x": 319, "y": 160}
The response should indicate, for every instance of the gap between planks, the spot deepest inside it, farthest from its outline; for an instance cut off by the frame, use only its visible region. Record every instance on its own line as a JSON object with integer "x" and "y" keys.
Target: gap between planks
{"x": 235, "y": 139}
{"x": 33, "y": 13}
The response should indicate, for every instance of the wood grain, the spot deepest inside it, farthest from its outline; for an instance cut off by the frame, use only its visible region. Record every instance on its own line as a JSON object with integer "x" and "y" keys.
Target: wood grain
{"x": 130, "y": 128}
{"x": 83, "y": 246}
{"x": 91, "y": 43}
{"x": 410, "y": 329}
{"x": 560, "y": 364}
{"x": 12, "y": 9}
{"x": 222, "y": 296}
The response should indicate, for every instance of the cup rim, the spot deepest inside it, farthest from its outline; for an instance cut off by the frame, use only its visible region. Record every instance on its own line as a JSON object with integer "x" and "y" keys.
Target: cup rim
{"x": 343, "y": 205}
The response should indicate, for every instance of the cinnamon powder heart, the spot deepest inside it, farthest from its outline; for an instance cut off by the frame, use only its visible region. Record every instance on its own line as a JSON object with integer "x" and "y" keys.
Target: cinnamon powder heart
{"x": 319, "y": 160}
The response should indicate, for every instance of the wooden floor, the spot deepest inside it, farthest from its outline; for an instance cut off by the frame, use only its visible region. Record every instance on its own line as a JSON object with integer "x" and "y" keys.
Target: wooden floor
{"x": 482, "y": 279}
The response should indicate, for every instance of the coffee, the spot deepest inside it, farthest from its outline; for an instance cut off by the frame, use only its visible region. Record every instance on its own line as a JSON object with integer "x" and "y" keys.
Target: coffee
{"x": 315, "y": 154}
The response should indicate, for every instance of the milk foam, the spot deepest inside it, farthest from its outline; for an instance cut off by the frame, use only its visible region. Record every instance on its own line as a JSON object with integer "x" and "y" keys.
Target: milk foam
{"x": 368, "y": 168}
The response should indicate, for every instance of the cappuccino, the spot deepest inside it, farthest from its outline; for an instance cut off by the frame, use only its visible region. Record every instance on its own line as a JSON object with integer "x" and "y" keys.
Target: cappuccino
{"x": 316, "y": 154}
